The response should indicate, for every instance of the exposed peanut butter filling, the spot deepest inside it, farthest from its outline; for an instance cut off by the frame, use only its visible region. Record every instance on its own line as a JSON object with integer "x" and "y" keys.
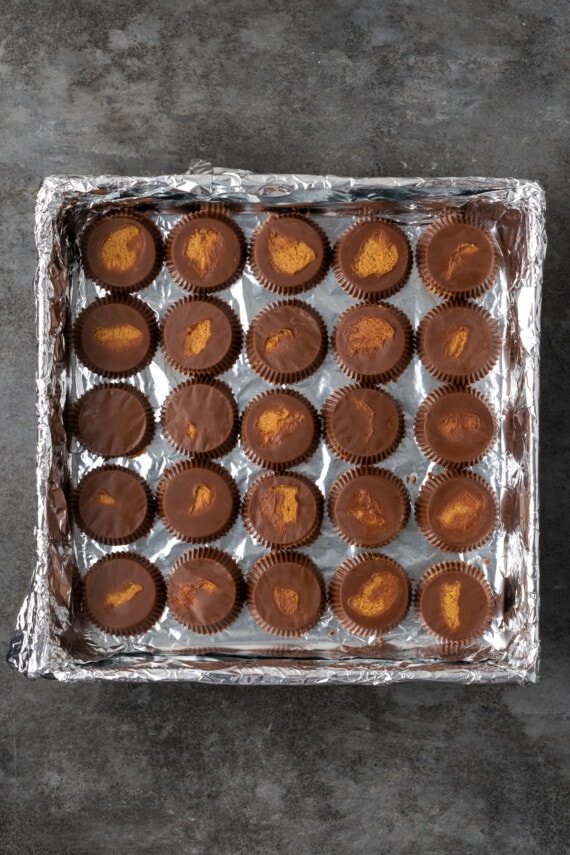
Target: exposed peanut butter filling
{"x": 457, "y": 425}
{"x": 273, "y": 341}
{"x": 449, "y": 602}
{"x": 457, "y": 258}
{"x": 288, "y": 255}
{"x": 203, "y": 499}
{"x": 367, "y": 510}
{"x": 286, "y": 600}
{"x": 197, "y": 337}
{"x": 122, "y": 595}
{"x": 368, "y": 335}
{"x": 275, "y": 424}
{"x": 191, "y": 430}
{"x": 462, "y": 512}
{"x": 105, "y": 498}
{"x": 201, "y": 250}
{"x": 186, "y": 594}
{"x": 456, "y": 342}
{"x": 280, "y": 505}
{"x": 376, "y": 596}
{"x": 375, "y": 257}
{"x": 118, "y": 337}
{"x": 121, "y": 248}
{"x": 368, "y": 414}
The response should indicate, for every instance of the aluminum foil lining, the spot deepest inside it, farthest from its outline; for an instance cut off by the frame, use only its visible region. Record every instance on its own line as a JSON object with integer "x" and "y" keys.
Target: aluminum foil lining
{"x": 54, "y": 639}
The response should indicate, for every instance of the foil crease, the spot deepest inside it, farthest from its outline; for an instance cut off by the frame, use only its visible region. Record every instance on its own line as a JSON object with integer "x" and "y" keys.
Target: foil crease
{"x": 52, "y": 638}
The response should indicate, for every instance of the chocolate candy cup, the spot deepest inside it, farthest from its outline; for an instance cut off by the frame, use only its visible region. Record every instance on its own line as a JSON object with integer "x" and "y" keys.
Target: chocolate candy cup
{"x": 205, "y": 251}
{"x": 200, "y": 419}
{"x": 197, "y": 502}
{"x": 113, "y": 420}
{"x": 116, "y": 336}
{"x": 362, "y": 425}
{"x": 368, "y": 506}
{"x": 201, "y": 336}
{"x": 372, "y": 260}
{"x": 456, "y": 258}
{"x": 283, "y": 510}
{"x": 205, "y": 590}
{"x": 457, "y": 511}
{"x": 123, "y": 594}
{"x": 370, "y": 594}
{"x": 113, "y": 505}
{"x": 454, "y": 602}
{"x": 455, "y": 427}
{"x": 459, "y": 343}
{"x": 286, "y": 342}
{"x": 279, "y": 429}
{"x": 373, "y": 343}
{"x": 289, "y": 254}
{"x": 286, "y": 593}
{"x": 122, "y": 252}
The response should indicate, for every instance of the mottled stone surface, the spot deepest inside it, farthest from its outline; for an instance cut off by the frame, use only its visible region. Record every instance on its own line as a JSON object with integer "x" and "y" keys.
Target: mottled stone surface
{"x": 406, "y": 88}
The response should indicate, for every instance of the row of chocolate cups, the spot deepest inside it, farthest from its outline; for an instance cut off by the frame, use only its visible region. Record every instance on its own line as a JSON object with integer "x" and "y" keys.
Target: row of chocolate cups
{"x": 124, "y": 594}
{"x": 206, "y": 252}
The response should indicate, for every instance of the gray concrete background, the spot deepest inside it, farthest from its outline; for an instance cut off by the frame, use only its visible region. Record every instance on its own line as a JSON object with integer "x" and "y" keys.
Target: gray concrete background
{"x": 401, "y": 88}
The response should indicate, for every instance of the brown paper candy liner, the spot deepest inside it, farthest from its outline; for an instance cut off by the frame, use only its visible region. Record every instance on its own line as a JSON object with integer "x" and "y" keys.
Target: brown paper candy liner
{"x": 310, "y": 535}
{"x": 150, "y": 618}
{"x": 422, "y": 519}
{"x": 257, "y": 456}
{"x": 267, "y": 372}
{"x": 312, "y": 280}
{"x": 135, "y": 449}
{"x": 234, "y": 343}
{"x": 358, "y": 290}
{"x": 183, "y": 466}
{"x": 451, "y": 643}
{"x": 226, "y": 443}
{"x": 137, "y": 283}
{"x": 265, "y": 564}
{"x": 210, "y": 212}
{"x": 447, "y": 376}
{"x": 352, "y": 474}
{"x": 423, "y": 440}
{"x": 149, "y": 319}
{"x": 140, "y": 531}
{"x": 421, "y": 259}
{"x": 336, "y": 448}
{"x": 212, "y": 554}
{"x": 338, "y": 608}
{"x": 397, "y": 368}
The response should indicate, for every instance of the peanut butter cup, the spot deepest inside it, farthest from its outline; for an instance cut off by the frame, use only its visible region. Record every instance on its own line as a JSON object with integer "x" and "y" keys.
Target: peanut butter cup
{"x": 368, "y": 506}
{"x": 286, "y": 593}
{"x": 113, "y": 420}
{"x": 200, "y": 419}
{"x": 457, "y": 511}
{"x": 454, "y": 602}
{"x": 279, "y": 429}
{"x": 372, "y": 260}
{"x": 113, "y": 505}
{"x": 373, "y": 343}
{"x": 289, "y": 254}
{"x": 197, "y": 502}
{"x": 205, "y": 251}
{"x": 455, "y": 427}
{"x": 122, "y": 252}
{"x": 283, "y": 510}
{"x": 362, "y": 425}
{"x": 201, "y": 336}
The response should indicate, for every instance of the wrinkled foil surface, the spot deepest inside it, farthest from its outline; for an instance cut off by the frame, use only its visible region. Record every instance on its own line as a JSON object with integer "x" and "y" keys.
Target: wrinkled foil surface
{"x": 53, "y": 639}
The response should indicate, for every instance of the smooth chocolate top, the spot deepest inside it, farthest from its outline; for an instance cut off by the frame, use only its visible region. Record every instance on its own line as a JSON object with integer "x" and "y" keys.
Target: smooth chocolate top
{"x": 121, "y": 252}
{"x": 278, "y": 428}
{"x": 288, "y": 251}
{"x": 200, "y": 418}
{"x": 287, "y": 596}
{"x": 198, "y": 335}
{"x": 282, "y": 509}
{"x": 455, "y": 605}
{"x": 362, "y": 423}
{"x": 197, "y": 502}
{"x": 461, "y": 511}
{"x": 458, "y": 342}
{"x": 374, "y": 257}
{"x": 371, "y": 341}
{"x": 459, "y": 257}
{"x": 206, "y": 251}
{"x": 112, "y": 504}
{"x": 369, "y": 509}
{"x": 113, "y": 420}
{"x": 458, "y": 427}
{"x": 122, "y": 595}
{"x": 114, "y": 337}
{"x": 374, "y": 594}
{"x": 287, "y": 339}
{"x": 202, "y": 593}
